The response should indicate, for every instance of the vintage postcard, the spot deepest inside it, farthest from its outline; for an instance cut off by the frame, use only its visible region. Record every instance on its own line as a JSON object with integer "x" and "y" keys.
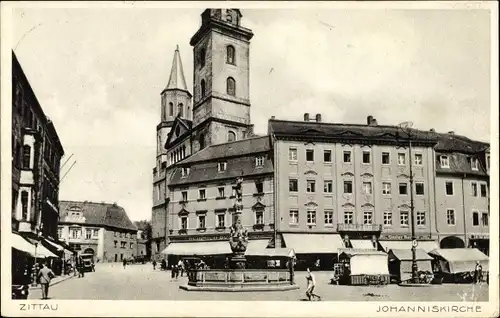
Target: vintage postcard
{"x": 237, "y": 159}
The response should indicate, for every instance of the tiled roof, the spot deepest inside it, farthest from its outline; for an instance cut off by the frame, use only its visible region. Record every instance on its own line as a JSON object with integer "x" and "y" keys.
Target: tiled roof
{"x": 459, "y": 163}
{"x": 313, "y": 129}
{"x": 99, "y": 214}
{"x": 452, "y": 142}
{"x": 230, "y": 149}
{"x": 208, "y": 171}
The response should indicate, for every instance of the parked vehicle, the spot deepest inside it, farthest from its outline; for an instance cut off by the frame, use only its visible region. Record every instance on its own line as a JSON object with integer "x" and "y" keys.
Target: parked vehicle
{"x": 88, "y": 262}
{"x": 20, "y": 291}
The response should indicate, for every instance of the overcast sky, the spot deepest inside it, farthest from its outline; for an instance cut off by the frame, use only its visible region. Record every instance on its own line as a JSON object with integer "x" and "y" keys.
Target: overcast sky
{"x": 98, "y": 74}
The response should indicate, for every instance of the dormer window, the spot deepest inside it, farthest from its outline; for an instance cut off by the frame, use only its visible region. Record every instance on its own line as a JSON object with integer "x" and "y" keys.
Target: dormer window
{"x": 474, "y": 163}
{"x": 259, "y": 161}
{"x": 487, "y": 162}
{"x": 221, "y": 166}
{"x": 184, "y": 172}
{"x": 445, "y": 161}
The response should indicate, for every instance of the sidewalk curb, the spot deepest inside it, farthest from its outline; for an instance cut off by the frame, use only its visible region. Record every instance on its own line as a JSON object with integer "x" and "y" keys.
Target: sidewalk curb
{"x": 38, "y": 286}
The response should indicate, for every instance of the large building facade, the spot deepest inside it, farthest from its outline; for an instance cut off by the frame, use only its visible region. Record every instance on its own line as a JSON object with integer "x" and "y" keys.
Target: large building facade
{"x": 36, "y": 157}
{"x": 102, "y": 229}
{"x": 309, "y": 185}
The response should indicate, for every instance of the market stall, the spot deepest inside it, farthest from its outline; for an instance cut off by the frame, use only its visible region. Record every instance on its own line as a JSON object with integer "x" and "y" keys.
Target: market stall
{"x": 362, "y": 267}
{"x": 400, "y": 263}
{"x": 458, "y": 264}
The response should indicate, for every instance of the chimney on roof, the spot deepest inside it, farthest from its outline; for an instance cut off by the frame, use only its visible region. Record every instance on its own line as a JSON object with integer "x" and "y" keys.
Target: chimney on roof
{"x": 451, "y": 132}
{"x": 318, "y": 118}
{"x": 371, "y": 121}
{"x": 306, "y": 117}
{"x": 273, "y": 117}
{"x": 433, "y": 130}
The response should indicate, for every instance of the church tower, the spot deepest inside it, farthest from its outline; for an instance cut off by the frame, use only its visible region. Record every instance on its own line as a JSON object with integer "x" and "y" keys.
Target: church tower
{"x": 175, "y": 101}
{"x": 221, "y": 106}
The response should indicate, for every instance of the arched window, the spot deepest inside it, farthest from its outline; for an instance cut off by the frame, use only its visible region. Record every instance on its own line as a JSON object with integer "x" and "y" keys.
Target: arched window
{"x": 180, "y": 110}
{"x": 230, "y": 54}
{"x": 24, "y": 204}
{"x": 202, "y": 141}
{"x": 231, "y": 136}
{"x": 26, "y": 156}
{"x": 171, "y": 109}
{"x": 203, "y": 88}
{"x": 231, "y": 86}
{"x": 202, "y": 57}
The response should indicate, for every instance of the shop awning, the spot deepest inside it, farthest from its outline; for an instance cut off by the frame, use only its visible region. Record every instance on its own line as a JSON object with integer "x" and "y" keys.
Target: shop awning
{"x": 256, "y": 246}
{"x": 198, "y": 248}
{"x": 313, "y": 243}
{"x": 57, "y": 246}
{"x": 363, "y": 244}
{"x": 462, "y": 259}
{"x": 27, "y": 246}
{"x": 273, "y": 252}
{"x": 406, "y": 255}
{"x": 406, "y": 245}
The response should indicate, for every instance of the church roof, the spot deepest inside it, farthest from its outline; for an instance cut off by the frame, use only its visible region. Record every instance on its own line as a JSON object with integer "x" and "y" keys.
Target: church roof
{"x": 177, "y": 79}
{"x": 230, "y": 149}
{"x": 104, "y": 214}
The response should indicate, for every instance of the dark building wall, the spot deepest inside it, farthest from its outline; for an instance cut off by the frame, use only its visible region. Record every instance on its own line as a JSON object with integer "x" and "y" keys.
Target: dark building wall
{"x": 31, "y": 127}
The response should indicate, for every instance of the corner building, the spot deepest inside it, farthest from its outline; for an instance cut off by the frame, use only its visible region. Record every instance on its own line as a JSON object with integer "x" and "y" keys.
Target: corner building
{"x": 347, "y": 186}
{"x": 313, "y": 186}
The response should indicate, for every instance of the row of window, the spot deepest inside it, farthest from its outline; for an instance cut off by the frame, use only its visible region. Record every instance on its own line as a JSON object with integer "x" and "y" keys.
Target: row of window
{"x": 230, "y": 56}
{"x": 367, "y": 187}
{"x": 230, "y": 87}
{"x": 349, "y": 217}
{"x": 222, "y": 165}
{"x": 123, "y": 234}
{"x": 221, "y": 192}
{"x": 76, "y": 233}
{"x": 451, "y": 220}
{"x": 449, "y": 187}
{"x": 180, "y": 109}
{"x": 178, "y": 154}
{"x": 445, "y": 162}
{"x": 220, "y": 220}
{"x": 123, "y": 244}
{"x": 347, "y": 157}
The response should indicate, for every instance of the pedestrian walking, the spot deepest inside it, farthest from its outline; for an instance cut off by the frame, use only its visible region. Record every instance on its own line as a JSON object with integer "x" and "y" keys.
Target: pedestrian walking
{"x": 81, "y": 268}
{"x": 478, "y": 273}
{"x": 311, "y": 283}
{"x": 172, "y": 271}
{"x": 154, "y": 264}
{"x": 180, "y": 268}
{"x": 124, "y": 262}
{"x": 45, "y": 275}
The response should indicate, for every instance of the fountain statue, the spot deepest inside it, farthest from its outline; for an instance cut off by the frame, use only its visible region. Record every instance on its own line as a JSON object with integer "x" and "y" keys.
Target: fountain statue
{"x": 238, "y": 238}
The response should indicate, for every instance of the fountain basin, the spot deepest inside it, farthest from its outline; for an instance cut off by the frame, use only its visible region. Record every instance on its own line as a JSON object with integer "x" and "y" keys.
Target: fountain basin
{"x": 239, "y": 280}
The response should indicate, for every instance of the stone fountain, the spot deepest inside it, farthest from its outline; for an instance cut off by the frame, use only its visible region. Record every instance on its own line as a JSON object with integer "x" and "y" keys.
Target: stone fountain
{"x": 237, "y": 278}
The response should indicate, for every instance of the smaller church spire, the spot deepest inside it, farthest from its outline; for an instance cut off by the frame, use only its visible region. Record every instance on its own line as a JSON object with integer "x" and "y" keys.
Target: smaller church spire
{"x": 177, "y": 79}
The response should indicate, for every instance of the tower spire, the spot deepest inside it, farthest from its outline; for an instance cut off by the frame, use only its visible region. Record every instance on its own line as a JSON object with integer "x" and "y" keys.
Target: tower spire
{"x": 177, "y": 79}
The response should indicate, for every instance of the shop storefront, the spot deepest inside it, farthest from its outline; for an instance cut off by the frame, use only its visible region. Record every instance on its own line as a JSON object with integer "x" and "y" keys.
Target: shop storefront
{"x": 314, "y": 251}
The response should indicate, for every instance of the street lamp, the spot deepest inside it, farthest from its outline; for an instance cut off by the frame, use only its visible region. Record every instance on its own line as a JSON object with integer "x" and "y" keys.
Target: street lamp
{"x": 406, "y": 128}
{"x": 35, "y": 265}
